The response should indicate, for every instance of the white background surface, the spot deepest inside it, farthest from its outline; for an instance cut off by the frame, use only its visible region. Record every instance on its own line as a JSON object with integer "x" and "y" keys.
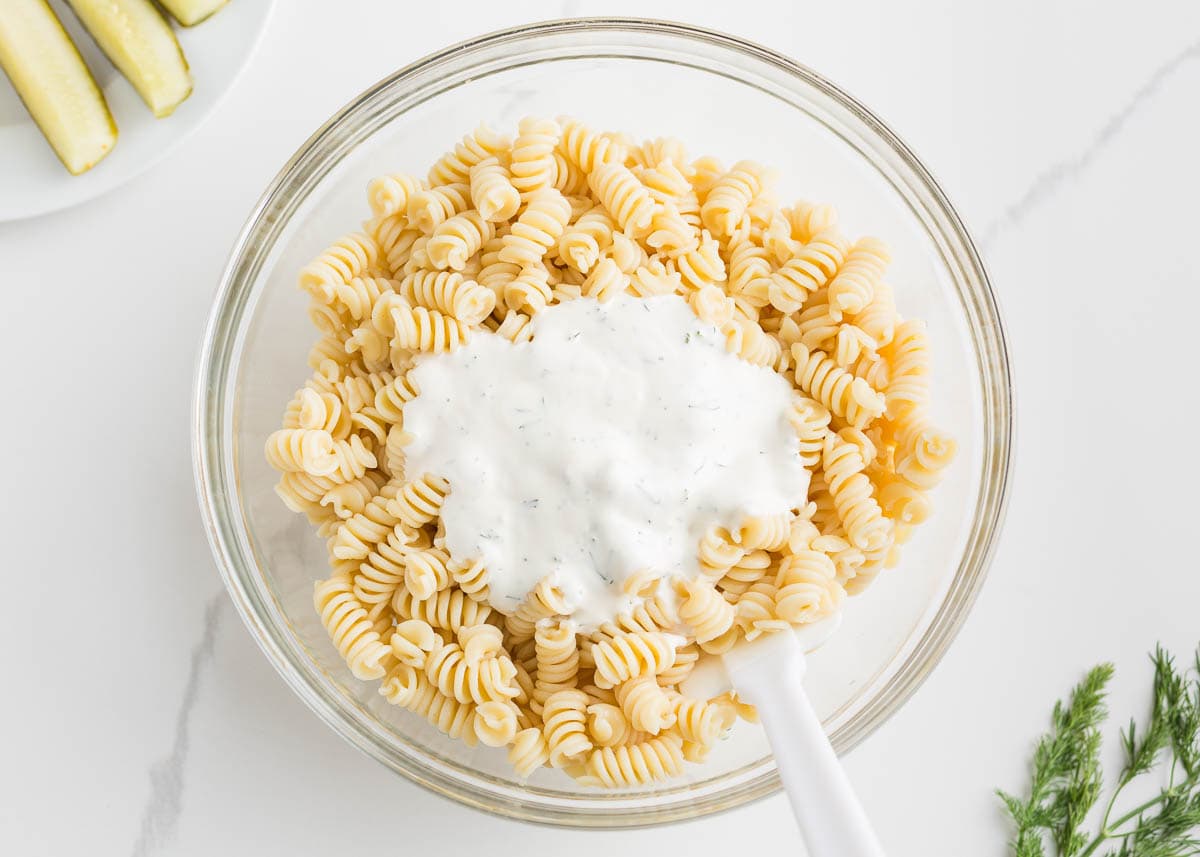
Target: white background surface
{"x": 139, "y": 718}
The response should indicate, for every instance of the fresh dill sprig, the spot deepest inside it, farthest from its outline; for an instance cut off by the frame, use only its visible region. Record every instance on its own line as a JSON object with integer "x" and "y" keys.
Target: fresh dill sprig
{"x": 1066, "y": 778}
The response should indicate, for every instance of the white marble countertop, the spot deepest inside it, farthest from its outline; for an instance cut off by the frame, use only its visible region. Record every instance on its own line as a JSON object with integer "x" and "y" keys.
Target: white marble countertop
{"x": 139, "y": 717}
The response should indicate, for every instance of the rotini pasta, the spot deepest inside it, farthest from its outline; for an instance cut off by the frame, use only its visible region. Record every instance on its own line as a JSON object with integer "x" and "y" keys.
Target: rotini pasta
{"x": 629, "y": 203}
{"x": 350, "y": 629}
{"x": 455, "y": 240}
{"x": 565, "y": 717}
{"x": 454, "y": 167}
{"x": 636, "y": 764}
{"x": 538, "y": 228}
{"x": 632, "y": 655}
{"x": 498, "y": 235}
{"x": 532, "y": 156}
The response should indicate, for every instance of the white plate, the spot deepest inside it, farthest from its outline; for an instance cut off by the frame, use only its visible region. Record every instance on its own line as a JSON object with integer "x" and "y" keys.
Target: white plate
{"x": 32, "y": 179}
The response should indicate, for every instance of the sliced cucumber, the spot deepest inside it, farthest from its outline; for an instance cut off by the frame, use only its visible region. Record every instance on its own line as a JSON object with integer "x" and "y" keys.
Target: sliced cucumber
{"x": 142, "y": 45}
{"x": 57, "y": 88}
{"x": 191, "y": 12}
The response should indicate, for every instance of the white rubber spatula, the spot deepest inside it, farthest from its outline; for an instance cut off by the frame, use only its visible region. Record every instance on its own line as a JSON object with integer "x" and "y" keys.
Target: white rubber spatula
{"x": 768, "y": 673}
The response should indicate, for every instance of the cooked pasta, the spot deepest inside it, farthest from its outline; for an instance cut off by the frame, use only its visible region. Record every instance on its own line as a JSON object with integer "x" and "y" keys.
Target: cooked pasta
{"x": 421, "y": 329}
{"x": 846, "y": 396}
{"x": 727, "y": 202}
{"x": 629, "y": 203}
{"x": 455, "y": 166}
{"x": 499, "y": 232}
{"x": 528, "y": 752}
{"x": 636, "y": 764}
{"x": 457, "y": 239}
{"x": 557, "y": 661}
{"x": 631, "y": 655}
{"x": 540, "y": 225}
{"x": 646, "y": 705}
{"x": 349, "y": 628}
{"x": 419, "y": 500}
{"x": 495, "y": 723}
{"x": 390, "y": 194}
{"x": 532, "y": 156}
{"x": 704, "y": 610}
{"x": 544, "y": 601}
{"x": 449, "y": 609}
{"x": 489, "y": 679}
{"x": 425, "y": 572}
{"x": 852, "y": 289}
{"x": 866, "y": 527}
{"x": 565, "y": 717}
{"x": 806, "y": 272}
{"x": 352, "y": 256}
{"x": 409, "y": 688}
{"x": 607, "y": 725}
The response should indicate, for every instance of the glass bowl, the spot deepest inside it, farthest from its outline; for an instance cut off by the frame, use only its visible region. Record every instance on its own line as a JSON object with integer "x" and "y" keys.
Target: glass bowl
{"x": 721, "y": 96}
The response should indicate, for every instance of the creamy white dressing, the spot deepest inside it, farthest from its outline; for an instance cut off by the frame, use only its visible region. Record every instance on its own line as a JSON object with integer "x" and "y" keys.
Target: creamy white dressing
{"x": 608, "y": 444}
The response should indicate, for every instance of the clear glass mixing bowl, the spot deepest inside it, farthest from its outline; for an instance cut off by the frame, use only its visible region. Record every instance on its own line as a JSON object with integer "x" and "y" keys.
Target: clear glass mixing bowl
{"x": 722, "y": 96}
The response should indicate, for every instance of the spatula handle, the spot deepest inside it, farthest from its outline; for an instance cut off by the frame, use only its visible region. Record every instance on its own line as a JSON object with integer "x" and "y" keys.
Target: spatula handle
{"x": 832, "y": 821}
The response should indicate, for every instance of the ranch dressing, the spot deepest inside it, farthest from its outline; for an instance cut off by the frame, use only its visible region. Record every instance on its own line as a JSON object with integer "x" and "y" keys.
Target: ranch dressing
{"x": 608, "y": 444}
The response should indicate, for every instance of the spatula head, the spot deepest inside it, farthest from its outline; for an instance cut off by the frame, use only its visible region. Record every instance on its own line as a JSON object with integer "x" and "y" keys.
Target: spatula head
{"x": 713, "y": 676}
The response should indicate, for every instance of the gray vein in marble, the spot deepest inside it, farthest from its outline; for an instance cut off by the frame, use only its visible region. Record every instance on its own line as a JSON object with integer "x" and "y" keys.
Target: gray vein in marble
{"x": 1050, "y": 180}
{"x": 161, "y": 813}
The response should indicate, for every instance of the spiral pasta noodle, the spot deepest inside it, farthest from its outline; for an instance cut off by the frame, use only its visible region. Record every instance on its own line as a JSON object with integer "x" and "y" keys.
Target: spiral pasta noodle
{"x": 432, "y": 206}
{"x": 718, "y": 552}
{"x": 632, "y": 655}
{"x": 455, "y": 240}
{"x": 557, "y": 661}
{"x": 605, "y": 281}
{"x": 495, "y": 723}
{"x": 701, "y": 265}
{"x": 528, "y": 751}
{"x": 471, "y": 578}
{"x": 309, "y": 450}
{"x": 705, "y": 611}
{"x": 410, "y": 689}
{"x": 646, "y": 705}
{"x": 425, "y": 572}
{"x": 349, "y": 628}
{"x": 492, "y": 191}
{"x": 806, "y": 272}
{"x": 532, "y": 156}
{"x": 546, "y": 600}
{"x": 852, "y": 493}
{"x": 490, "y": 679}
{"x": 540, "y": 225}
{"x": 454, "y": 167}
{"x": 447, "y": 293}
{"x": 564, "y": 715}
{"x": 727, "y": 202}
{"x": 529, "y": 291}
{"x": 636, "y": 764}
{"x": 908, "y": 358}
{"x": 421, "y": 329}
{"x": 388, "y": 195}
{"x": 450, "y": 609}
{"x": 807, "y": 587}
{"x": 811, "y": 420}
{"x": 845, "y": 395}
{"x": 349, "y": 257}
{"x": 412, "y": 641}
{"x": 854, "y": 286}
{"x": 629, "y": 203}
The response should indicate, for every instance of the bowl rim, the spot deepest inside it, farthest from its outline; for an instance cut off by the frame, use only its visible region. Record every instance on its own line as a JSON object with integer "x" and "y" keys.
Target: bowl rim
{"x": 209, "y": 470}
